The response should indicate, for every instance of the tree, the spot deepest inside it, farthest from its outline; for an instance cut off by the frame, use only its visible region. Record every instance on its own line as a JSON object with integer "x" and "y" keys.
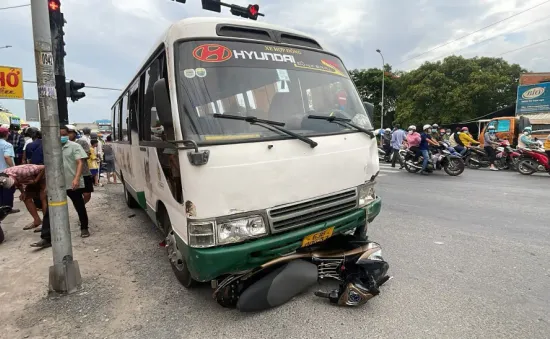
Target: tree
{"x": 456, "y": 89}
{"x": 369, "y": 86}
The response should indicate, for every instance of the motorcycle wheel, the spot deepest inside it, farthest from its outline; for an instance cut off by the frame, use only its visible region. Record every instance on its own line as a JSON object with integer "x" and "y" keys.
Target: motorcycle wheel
{"x": 454, "y": 167}
{"x": 1, "y": 235}
{"x": 523, "y": 169}
{"x": 501, "y": 164}
{"x": 513, "y": 164}
{"x": 471, "y": 164}
{"x": 410, "y": 168}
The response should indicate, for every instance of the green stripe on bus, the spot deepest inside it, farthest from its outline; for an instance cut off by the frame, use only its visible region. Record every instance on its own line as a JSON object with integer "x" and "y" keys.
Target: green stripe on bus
{"x": 141, "y": 200}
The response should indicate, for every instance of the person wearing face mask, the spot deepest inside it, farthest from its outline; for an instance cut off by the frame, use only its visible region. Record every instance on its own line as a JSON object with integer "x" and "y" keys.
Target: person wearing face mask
{"x": 434, "y": 132}
{"x": 425, "y": 142}
{"x": 466, "y": 138}
{"x": 73, "y": 159}
{"x": 445, "y": 134}
{"x": 525, "y": 141}
{"x": 413, "y": 141}
{"x": 490, "y": 143}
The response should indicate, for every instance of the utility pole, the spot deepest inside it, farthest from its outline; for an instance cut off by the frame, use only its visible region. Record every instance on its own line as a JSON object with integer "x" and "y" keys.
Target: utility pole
{"x": 65, "y": 273}
{"x": 382, "y": 108}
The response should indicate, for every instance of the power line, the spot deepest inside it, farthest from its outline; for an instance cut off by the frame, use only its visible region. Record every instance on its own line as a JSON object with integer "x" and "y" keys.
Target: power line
{"x": 2, "y": 8}
{"x": 479, "y": 30}
{"x": 96, "y": 87}
{"x": 523, "y": 47}
{"x": 496, "y": 36}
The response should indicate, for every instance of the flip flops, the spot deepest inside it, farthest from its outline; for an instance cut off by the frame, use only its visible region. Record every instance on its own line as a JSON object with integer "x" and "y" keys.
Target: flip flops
{"x": 30, "y": 226}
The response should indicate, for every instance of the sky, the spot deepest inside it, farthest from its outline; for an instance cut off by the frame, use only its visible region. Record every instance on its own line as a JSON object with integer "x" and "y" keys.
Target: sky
{"x": 108, "y": 40}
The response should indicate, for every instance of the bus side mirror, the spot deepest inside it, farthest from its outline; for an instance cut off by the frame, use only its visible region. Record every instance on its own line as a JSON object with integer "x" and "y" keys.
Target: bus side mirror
{"x": 370, "y": 110}
{"x": 162, "y": 102}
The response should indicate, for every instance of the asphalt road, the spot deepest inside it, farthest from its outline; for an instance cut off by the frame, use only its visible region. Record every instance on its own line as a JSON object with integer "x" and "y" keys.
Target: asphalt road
{"x": 469, "y": 257}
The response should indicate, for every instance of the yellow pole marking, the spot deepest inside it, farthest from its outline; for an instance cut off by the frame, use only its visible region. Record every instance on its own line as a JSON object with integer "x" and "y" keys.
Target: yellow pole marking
{"x": 57, "y": 203}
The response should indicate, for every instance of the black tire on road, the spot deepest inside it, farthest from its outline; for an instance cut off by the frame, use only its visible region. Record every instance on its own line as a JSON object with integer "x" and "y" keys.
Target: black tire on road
{"x": 180, "y": 271}
{"x": 410, "y": 168}
{"x": 130, "y": 201}
{"x": 470, "y": 164}
{"x": 1, "y": 235}
{"x": 454, "y": 167}
{"x": 524, "y": 169}
{"x": 501, "y": 164}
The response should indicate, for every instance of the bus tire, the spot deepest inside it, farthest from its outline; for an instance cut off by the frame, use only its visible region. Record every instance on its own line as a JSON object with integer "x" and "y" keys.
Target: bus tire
{"x": 130, "y": 201}
{"x": 179, "y": 266}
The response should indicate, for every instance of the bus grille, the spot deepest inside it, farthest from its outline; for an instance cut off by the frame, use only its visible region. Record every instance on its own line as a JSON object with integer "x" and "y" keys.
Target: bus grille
{"x": 312, "y": 211}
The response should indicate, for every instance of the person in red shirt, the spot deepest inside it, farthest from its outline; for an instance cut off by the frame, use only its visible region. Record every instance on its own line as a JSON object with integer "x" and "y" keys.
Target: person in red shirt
{"x": 31, "y": 181}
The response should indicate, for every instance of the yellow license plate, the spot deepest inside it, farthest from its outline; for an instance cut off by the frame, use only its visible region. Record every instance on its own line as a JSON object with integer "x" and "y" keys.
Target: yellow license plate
{"x": 317, "y": 237}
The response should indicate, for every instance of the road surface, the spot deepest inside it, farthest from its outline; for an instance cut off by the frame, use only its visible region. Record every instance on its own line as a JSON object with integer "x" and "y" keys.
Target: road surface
{"x": 469, "y": 257}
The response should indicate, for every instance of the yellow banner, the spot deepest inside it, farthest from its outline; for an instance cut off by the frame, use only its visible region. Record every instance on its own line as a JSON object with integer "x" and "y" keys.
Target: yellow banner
{"x": 11, "y": 82}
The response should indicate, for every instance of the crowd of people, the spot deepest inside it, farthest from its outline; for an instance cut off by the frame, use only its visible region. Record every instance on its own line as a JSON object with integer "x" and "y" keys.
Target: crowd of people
{"x": 22, "y": 168}
{"x": 391, "y": 140}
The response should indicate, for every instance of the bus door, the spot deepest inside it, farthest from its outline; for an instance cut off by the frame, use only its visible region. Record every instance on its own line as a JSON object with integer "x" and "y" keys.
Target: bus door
{"x": 138, "y": 174}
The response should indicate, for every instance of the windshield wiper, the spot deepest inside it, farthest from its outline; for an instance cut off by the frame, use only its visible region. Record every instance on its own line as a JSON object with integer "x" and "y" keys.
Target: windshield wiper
{"x": 274, "y": 126}
{"x": 344, "y": 122}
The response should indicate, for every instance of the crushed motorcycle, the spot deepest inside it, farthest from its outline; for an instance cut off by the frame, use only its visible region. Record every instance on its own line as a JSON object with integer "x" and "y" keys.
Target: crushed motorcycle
{"x": 357, "y": 265}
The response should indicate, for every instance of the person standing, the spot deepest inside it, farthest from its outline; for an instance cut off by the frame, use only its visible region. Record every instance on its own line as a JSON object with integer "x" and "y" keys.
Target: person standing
{"x": 489, "y": 144}
{"x": 18, "y": 142}
{"x": 398, "y": 137}
{"x": 86, "y": 135}
{"x": 109, "y": 158}
{"x": 86, "y": 174}
{"x": 93, "y": 162}
{"x": 6, "y": 161}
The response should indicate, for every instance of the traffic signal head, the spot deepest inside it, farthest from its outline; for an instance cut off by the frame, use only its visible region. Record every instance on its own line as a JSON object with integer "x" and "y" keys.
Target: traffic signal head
{"x": 253, "y": 11}
{"x": 54, "y": 5}
{"x": 212, "y": 5}
{"x": 72, "y": 90}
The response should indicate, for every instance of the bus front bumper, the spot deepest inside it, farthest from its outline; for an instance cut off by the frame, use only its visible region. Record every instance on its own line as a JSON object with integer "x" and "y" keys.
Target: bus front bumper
{"x": 206, "y": 264}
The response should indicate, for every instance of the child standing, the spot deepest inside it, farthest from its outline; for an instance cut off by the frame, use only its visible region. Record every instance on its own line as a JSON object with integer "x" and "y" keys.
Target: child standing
{"x": 93, "y": 162}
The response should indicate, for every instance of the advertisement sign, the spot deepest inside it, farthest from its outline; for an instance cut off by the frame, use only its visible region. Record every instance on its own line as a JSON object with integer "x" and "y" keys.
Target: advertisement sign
{"x": 11, "y": 82}
{"x": 533, "y": 78}
{"x": 533, "y": 99}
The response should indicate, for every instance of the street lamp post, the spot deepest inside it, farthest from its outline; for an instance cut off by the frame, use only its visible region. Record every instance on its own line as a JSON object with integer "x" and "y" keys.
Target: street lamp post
{"x": 382, "y": 108}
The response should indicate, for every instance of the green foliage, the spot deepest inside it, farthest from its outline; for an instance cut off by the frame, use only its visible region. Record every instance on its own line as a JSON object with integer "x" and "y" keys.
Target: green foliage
{"x": 449, "y": 91}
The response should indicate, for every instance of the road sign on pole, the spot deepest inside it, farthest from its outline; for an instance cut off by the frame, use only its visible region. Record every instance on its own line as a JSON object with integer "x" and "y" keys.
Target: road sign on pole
{"x": 11, "y": 82}
{"x": 31, "y": 110}
{"x": 65, "y": 273}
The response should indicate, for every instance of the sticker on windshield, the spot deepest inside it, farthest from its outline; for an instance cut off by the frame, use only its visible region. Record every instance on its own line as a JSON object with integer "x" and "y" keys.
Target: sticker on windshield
{"x": 283, "y": 75}
{"x": 201, "y": 72}
{"x": 189, "y": 73}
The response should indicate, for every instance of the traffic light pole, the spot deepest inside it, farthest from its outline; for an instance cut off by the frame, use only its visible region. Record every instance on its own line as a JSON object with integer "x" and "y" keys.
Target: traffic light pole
{"x": 65, "y": 273}
{"x": 59, "y": 68}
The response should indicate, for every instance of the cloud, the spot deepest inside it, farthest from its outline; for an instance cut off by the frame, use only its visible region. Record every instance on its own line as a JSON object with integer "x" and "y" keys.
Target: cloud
{"x": 108, "y": 40}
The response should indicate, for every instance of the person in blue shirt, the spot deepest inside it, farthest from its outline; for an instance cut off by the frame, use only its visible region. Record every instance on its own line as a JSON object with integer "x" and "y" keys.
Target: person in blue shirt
{"x": 425, "y": 142}
{"x": 398, "y": 137}
{"x": 6, "y": 160}
{"x": 34, "y": 153}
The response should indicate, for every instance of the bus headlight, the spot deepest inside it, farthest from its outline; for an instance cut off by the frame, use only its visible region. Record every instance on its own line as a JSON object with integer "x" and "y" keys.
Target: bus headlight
{"x": 201, "y": 233}
{"x": 365, "y": 194}
{"x": 236, "y": 230}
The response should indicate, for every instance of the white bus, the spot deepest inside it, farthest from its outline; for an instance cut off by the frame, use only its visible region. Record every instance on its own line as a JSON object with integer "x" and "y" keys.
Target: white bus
{"x": 244, "y": 142}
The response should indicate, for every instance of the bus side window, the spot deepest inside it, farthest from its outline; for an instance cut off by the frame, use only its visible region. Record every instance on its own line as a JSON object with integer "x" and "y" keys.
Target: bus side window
{"x": 114, "y": 112}
{"x": 152, "y": 127}
{"x": 124, "y": 119}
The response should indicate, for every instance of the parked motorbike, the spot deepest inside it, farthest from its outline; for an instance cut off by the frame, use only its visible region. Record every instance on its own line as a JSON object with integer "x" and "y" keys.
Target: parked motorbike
{"x": 507, "y": 157}
{"x": 357, "y": 265}
{"x": 533, "y": 160}
{"x": 381, "y": 155}
{"x": 440, "y": 158}
{"x": 4, "y": 211}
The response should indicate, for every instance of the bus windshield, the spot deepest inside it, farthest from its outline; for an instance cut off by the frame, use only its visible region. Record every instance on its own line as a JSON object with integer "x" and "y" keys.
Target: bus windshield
{"x": 265, "y": 81}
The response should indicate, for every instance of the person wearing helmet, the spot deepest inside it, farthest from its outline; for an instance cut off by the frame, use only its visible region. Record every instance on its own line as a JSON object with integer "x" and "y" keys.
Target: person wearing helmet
{"x": 444, "y": 137}
{"x": 27, "y": 133}
{"x": 525, "y": 140}
{"x": 425, "y": 142}
{"x": 386, "y": 142}
{"x": 413, "y": 141}
{"x": 434, "y": 132}
{"x": 466, "y": 138}
{"x": 490, "y": 143}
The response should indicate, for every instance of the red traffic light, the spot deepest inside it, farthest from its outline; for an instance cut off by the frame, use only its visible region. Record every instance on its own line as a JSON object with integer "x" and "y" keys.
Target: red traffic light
{"x": 253, "y": 11}
{"x": 54, "y": 5}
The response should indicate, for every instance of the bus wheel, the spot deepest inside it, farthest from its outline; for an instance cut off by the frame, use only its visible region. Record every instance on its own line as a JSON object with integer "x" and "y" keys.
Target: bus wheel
{"x": 130, "y": 201}
{"x": 177, "y": 261}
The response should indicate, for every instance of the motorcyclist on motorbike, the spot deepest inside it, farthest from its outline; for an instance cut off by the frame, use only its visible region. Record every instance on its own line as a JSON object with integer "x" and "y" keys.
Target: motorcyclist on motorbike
{"x": 386, "y": 143}
{"x": 466, "y": 138}
{"x": 425, "y": 142}
{"x": 490, "y": 142}
{"x": 413, "y": 141}
{"x": 435, "y": 132}
{"x": 526, "y": 141}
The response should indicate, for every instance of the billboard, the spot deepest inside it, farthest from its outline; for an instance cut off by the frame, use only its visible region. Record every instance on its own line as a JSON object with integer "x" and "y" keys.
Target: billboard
{"x": 533, "y": 99}
{"x": 11, "y": 82}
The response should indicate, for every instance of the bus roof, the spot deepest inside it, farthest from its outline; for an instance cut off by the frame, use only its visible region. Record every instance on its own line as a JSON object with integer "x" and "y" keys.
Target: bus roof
{"x": 207, "y": 27}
